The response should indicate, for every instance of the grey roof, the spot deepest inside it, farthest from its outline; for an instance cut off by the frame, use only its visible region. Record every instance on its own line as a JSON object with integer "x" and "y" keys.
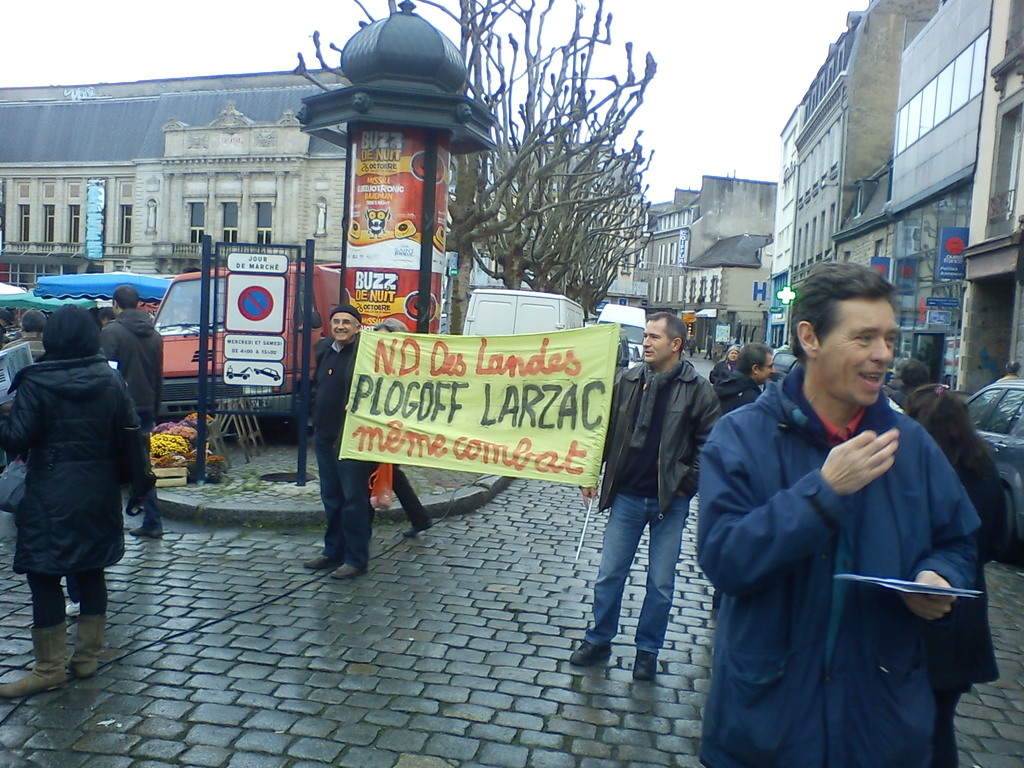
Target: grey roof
{"x": 127, "y": 129}
{"x": 877, "y": 201}
{"x": 736, "y": 251}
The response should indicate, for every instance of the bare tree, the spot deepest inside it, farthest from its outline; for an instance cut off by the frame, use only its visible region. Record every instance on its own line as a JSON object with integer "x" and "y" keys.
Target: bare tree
{"x": 557, "y": 205}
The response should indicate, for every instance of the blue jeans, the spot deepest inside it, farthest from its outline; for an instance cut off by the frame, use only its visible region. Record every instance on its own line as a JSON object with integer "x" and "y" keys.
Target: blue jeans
{"x": 345, "y": 491}
{"x": 151, "y": 520}
{"x": 626, "y": 522}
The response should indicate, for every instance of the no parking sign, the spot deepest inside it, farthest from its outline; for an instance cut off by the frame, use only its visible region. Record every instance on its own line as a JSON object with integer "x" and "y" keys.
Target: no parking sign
{"x": 255, "y": 303}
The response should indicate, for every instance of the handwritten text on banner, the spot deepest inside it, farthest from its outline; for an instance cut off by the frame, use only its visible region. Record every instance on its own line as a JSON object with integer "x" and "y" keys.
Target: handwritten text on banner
{"x": 534, "y": 405}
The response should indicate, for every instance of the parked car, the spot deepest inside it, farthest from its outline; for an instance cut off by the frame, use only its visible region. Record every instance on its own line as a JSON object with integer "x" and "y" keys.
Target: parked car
{"x": 998, "y": 412}
{"x": 497, "y": 311}
{"x": 632, "y": 320}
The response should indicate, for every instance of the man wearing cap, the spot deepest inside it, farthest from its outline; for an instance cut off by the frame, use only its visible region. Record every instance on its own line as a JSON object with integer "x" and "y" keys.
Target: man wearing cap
{"x": 344, "y": 483}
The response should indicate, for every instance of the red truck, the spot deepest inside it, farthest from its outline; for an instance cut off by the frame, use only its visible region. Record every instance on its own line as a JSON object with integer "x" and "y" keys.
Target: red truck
{"x": 178, "y": 323}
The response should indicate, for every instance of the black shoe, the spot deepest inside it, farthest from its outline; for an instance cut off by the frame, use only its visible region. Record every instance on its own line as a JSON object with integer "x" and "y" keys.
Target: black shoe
{"x": 411, "y": 532}
{"x": 588, "y": 654}
{"x": 149, "y": 533}
{"x": 646, "y": 665}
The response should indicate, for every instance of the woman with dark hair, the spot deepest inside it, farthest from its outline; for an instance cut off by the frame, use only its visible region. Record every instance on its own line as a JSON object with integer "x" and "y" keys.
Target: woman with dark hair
{"x": 960, "y": 652}
{"x": 68, "y": 409}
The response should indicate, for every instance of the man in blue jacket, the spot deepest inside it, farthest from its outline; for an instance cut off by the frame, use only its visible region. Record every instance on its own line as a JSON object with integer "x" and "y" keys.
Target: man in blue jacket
{"x": 819, "y": 477}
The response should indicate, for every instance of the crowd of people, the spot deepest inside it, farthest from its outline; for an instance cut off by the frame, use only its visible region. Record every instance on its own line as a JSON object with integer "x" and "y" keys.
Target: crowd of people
{"x": 805, "y": 484}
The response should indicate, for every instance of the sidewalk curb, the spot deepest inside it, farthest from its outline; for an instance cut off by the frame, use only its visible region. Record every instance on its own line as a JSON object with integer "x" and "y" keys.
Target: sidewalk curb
{"x": 176, "y": 505}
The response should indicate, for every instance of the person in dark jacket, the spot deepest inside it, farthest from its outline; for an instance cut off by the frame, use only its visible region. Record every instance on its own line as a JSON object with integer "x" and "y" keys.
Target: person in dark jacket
{"x": 960, "y": 652}
{"x": 413, "y": 508}
{"x": 136, "y": 346}
{"x": 753, "y": 371}
{"x": 662, "y": 412}
{"x": 344, "y": 483}
{"x": 105, "y": 315}
{"x": 8, "y": 329}
{"x": 724, "y": 368}
{"x": 910, "y": 374}
{"x": 67, "y": 410}
{"x": 819, "y": 477}
{"x": 32, "y": 323}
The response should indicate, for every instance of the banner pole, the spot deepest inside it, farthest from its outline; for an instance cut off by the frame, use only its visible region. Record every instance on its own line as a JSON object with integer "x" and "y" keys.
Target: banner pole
{"x": 586, "y": 520}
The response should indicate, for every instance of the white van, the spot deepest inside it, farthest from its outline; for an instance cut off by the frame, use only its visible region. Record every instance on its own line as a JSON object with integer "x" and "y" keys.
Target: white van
{"x": 632, "y": 320}
{"x": 501, "y": 312}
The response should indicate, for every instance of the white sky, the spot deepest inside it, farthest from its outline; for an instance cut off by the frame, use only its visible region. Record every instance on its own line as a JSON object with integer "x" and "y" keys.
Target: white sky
{"x": 730, "y": 72}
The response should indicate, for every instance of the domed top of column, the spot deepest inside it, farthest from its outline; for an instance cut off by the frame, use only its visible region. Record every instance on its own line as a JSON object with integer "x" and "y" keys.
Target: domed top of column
{"x": 403, "y": 49}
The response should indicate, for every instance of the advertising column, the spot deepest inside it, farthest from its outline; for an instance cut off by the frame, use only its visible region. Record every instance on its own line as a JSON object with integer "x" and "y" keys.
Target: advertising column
{"x": 387, "y": 224}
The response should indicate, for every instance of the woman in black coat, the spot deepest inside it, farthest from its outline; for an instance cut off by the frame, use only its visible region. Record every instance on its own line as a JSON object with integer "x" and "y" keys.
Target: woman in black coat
{"x": 960, "y": 651}
{"x": 68, "y": 410}
{"x": 724, "y": 368}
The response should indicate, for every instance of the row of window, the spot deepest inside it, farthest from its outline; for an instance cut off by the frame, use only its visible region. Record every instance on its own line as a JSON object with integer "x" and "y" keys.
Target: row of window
{"x": 72, "y": 190}
{"x": 73, "y": 224}
{"x": 29, "y": 274}
{"x": 197, "y": 223}
{"x": 815, "y": 238}
{"x": 688, "y": 291}
{"x": 822, "y": 160}
{"x": 676, "y": 219}
{"x": 962, "y": 80}
{"x": 229, "y": 222}
{"x": 835, "y": 66}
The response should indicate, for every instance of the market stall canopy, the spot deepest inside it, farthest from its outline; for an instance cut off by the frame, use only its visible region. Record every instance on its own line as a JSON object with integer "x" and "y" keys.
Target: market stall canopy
{"x": 100, "y": 285}
{"x": 8, "y": 288}
{"x": 25, "y": 300}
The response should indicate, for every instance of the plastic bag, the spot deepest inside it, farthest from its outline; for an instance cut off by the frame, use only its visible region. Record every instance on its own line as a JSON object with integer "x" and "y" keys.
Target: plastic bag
{"x": 382, "y": 487}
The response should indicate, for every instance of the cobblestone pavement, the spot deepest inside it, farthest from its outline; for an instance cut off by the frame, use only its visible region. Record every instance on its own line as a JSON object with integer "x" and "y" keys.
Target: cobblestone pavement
{"x": 452, "y": 651}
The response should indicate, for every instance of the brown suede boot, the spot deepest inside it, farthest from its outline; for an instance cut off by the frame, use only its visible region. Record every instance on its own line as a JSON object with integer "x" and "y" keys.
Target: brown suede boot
{"x": 88, "y": 645}
{"x": 50, "y": 647}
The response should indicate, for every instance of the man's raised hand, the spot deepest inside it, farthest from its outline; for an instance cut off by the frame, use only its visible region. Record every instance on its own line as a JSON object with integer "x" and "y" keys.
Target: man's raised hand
{"x": 850, "y": 466}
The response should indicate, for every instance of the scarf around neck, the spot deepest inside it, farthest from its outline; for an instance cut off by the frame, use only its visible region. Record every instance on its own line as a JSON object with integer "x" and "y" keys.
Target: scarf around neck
{"x": 653, "y": 383}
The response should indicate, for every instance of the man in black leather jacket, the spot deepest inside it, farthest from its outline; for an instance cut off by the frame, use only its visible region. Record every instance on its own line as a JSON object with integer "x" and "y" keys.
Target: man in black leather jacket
{"x": 662, "y": 413}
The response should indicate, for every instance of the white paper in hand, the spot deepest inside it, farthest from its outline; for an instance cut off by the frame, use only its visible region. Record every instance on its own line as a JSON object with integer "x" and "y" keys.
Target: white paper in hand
{"x": 912, "y": 587}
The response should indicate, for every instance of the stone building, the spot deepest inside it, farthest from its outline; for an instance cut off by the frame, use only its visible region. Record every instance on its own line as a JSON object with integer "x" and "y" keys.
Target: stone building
{"x": 933, "y": 170}
{"x": 994, "y": 323}
{"x": 705, "y": 259}
{"x": 780, "y": 250}
{"x": 847, "y": 123}
{"x": 130, "y": 176}
{"x": 867, "y": 234}
{"x": 909, "y": 218}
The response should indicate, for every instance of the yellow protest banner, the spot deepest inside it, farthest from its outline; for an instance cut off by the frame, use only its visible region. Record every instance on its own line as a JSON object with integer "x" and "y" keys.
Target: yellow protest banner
{"x": 534, "y": 405}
